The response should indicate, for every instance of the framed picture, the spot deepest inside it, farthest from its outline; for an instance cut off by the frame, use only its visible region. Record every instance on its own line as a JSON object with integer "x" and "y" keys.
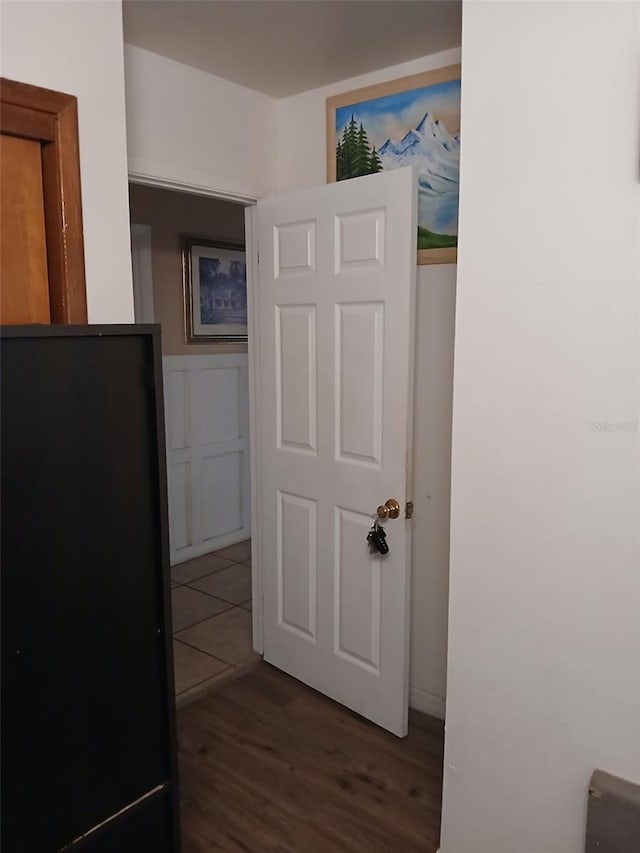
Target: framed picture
{"x": 414, "y": 121}
{"x": 215, "y": 291}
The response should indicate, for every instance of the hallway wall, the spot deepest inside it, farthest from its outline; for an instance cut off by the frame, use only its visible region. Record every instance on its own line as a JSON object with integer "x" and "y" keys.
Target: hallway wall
{"x": 185, "y": 125}
{"x": 170, "y": 216}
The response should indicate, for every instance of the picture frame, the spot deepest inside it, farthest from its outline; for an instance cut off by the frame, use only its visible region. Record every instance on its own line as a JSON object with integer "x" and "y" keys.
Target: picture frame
{"x": 215, "y": 291}
{"x": 413, "y": 120}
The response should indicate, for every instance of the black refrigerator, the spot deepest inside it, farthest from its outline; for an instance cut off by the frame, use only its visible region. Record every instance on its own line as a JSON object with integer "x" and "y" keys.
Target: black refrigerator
{"x": 87, "y": 709}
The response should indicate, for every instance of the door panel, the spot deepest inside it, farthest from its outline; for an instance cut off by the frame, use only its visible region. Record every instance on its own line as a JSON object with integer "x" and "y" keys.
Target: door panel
{"x": 334, "y": 351}
{"x": 24, "y": 295}
{"x": 359, "y": 378}
{"x": 297, "y": 537}
{"x": 357, "y": 590}
{"x": 296, "y": 377}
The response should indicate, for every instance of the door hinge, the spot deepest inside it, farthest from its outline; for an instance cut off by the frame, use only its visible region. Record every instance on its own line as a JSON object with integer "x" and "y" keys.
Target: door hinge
{"x": 408, "y": 509}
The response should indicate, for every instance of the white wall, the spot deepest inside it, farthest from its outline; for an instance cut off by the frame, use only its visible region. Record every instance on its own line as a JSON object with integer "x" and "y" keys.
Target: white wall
{"x": 435, "y": 319}
{"x": 77, "y": 48}
{"x": 302, "y": 117}
{"x": 187, "y": 126}
{"x": 544, "y": 640}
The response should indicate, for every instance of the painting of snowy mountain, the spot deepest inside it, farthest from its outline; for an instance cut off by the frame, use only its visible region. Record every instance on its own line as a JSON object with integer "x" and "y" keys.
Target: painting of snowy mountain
{"x": 419, "y": 127}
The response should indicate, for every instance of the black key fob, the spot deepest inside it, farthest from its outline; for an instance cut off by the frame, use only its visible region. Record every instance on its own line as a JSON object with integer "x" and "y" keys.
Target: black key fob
{"x": 379, "y": 537}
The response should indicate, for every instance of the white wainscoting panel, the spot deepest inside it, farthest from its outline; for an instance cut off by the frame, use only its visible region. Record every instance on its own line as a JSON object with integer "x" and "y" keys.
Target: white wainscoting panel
{"x": 207, "y": 423}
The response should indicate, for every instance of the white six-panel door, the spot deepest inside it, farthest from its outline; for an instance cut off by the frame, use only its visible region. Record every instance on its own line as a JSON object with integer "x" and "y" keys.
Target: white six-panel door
{"x": 333, "y": 359}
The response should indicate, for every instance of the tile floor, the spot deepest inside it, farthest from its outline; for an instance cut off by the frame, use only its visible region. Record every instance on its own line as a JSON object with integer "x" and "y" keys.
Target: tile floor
{"x": 211, "y": 604}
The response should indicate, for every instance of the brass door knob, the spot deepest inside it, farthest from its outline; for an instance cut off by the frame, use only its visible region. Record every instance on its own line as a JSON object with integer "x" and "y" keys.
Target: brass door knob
{"x": 390, "y": 509}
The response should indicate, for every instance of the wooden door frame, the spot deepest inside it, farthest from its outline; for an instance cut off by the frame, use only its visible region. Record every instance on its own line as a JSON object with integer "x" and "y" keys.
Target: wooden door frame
{"x": 51, "y": 118}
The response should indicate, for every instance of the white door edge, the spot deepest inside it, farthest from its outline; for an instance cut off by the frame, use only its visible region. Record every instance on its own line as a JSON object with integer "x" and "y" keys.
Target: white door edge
{"x": 142, "y": 273}
{"x": 253, "y": 297}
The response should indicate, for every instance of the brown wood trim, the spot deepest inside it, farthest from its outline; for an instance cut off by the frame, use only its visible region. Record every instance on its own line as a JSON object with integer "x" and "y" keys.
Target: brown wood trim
{"x": 438, "y": 256}
{"x": 27, "y": 123}
{"x": 56, "y": 114}
{"x": 65, "y": 255}
{"x": 33, "y": 97}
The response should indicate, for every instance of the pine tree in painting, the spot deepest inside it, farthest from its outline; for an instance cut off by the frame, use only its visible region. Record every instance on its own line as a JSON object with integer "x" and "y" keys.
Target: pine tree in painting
{"x": 354, "y": 154}
{"x": 340, "y": 168}
{"x": 375, "y": 163}
{"x": 349, "y": 146}
{"x": 361, "y": 159}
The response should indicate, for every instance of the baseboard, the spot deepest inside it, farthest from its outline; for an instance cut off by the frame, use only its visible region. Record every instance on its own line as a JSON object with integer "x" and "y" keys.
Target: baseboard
{"x": 427, "y": 703}
{"x": 225, "y": 540}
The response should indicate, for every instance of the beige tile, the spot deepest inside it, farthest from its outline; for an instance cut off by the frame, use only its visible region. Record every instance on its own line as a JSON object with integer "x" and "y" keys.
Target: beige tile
{"x": 227, "y": 636}
{"x": 246, "y": 605}
{"x": 239, "y": 553}
{"x": 191, "y": 666}
{"x": 210, "y": 685}
{"x": 189, "y": 606}
{"x": 198, "y": 568}
{"x": 232, "y": 584}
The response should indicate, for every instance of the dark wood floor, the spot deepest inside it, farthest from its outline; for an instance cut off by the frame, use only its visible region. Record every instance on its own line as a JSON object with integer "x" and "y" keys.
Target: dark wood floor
{"x": 269, "y": 764}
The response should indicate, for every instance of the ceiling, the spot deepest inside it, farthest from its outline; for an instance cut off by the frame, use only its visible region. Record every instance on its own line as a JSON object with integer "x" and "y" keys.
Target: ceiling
{"x": 282, "y": 47}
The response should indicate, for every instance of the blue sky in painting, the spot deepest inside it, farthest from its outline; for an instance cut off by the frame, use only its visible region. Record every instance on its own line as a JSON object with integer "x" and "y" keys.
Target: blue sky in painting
{"x": 392, "y": 116}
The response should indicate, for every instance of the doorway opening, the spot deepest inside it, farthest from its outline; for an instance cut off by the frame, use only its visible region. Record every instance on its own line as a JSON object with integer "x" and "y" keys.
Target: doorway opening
{"x": 234, "y": 721}
{"x": 206, "y": 398}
